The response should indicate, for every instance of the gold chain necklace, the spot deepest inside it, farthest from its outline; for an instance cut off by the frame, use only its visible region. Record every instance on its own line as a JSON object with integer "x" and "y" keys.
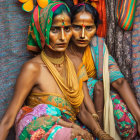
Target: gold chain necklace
{"x": 56, "y": 61}
{"x": 71, "y": 90}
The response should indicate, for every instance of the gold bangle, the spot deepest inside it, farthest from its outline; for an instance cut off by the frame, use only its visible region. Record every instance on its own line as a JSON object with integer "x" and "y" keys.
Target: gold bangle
{"x": 101, "y": 134}
{"x": 95, "y": 116}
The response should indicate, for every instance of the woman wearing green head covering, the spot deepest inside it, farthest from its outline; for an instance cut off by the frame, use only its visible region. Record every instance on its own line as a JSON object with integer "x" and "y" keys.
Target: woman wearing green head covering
{"x": 46, "y": 82}
{"x": 40, "y": 25}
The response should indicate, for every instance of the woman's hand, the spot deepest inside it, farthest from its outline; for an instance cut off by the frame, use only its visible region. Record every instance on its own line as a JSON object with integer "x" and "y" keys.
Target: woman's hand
{"x": 83, "y": 132}
{"x": 79, "y": 132}
{"x": 75, "y": 126}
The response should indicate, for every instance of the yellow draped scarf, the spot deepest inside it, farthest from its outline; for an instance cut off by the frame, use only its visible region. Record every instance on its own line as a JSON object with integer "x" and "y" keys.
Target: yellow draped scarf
{"x": 71, "y": 90}
{"x": 82, "y": 75}
{"x": 89, "y": 63}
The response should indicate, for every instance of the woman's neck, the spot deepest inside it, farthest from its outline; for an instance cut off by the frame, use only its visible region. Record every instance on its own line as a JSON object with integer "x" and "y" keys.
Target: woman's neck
{"x": 75, "y": 50}
{"x": 52, "y": 53}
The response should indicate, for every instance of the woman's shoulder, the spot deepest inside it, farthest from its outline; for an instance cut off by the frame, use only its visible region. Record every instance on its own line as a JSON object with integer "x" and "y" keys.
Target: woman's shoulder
{"x": 33, "y": 65}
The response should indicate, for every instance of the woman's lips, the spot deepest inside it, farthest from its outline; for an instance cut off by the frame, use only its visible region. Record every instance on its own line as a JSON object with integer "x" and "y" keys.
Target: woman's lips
{"x": 82, "y": 41}
{"x": 61, "y": 44}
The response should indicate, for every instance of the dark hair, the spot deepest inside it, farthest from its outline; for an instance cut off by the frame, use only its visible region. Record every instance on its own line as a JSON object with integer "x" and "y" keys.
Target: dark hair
{"x": 75, "y": 9}
{"x": 60, "y": 10}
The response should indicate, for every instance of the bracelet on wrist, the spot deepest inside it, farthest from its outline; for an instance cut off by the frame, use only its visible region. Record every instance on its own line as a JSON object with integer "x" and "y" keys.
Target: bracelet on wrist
{"x": 95, "y": 116}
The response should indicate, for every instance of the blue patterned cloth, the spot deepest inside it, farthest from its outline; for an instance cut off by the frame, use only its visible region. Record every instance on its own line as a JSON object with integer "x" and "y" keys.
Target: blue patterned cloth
{"x": 125, "y": 124}
{"x": 98, "y": 50}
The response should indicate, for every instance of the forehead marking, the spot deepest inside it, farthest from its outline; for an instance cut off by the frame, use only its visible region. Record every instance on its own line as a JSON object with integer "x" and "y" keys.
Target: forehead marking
{"x": 63, "y": 22}
{"x": 83, "y": 25}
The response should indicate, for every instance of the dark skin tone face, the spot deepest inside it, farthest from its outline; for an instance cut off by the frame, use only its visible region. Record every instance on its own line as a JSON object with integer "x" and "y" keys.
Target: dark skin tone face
{"x": 83, "y": 29}
{"x": 60, "y": 32}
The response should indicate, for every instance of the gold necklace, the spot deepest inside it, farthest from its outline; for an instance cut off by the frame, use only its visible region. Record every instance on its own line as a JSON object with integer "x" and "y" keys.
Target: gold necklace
{"x": 56, "y": 61}
{"x": 71, "y": 90}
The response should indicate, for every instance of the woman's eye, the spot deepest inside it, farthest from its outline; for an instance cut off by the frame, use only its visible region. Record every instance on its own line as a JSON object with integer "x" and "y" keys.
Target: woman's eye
{"x": 54, "y": 30}
{"x": 76, "y": 27}
{"x": 67, "y": 29}
{"x": 89, "y": 28}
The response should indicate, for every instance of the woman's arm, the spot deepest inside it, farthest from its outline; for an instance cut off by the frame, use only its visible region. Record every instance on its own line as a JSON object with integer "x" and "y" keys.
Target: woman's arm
{"x": 87, "y": 119}
{"x": 25, "y": 81}
{"x": 122, "y": 86}
{"x": 87, "y": 100}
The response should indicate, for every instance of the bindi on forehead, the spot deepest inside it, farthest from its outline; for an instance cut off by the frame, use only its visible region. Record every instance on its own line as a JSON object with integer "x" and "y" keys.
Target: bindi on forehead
{"x": 83, "y": 25}
{"x": 61, "y": 20}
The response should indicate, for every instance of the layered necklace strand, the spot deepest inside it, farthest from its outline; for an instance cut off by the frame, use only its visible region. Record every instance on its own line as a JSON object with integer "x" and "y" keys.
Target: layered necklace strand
{"x": 56, "y": 61}
{"x": 70, "y": 90}
{"x": 59, "y": 64}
